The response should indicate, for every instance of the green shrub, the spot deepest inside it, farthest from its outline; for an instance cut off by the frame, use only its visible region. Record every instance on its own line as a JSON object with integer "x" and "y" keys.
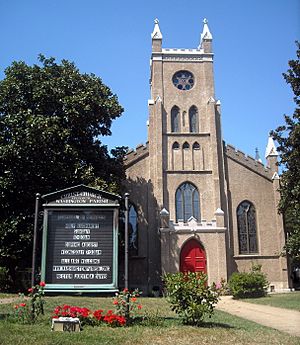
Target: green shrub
{"x": 190, "y": 296}
{"x": 249, "y": 284}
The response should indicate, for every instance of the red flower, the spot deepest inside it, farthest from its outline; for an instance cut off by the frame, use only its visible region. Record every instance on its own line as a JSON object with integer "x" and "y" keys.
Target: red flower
{"x": 121, "y": 320}
{"x": 30, "y": 290}
{"x": 57, "y": 310}
{"x": 42, "y": 284}
{"x": 22, "y": 304}
{"x": 133, "y": 299}
{"x": 84, "y": 312}
{"x": 98, "y": 314}
{"x": 115, "y": 302}
{"x": 139, "y": 307}
{"x": 16, "y": 306}
{"x": 125, "y": 290}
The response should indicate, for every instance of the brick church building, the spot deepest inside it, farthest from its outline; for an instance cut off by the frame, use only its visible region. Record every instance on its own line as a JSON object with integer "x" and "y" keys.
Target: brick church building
{"x": 198, "y": 204}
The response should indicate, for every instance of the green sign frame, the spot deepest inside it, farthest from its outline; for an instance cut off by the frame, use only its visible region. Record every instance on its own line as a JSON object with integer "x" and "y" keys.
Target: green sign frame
{"x": 81, "y": 199}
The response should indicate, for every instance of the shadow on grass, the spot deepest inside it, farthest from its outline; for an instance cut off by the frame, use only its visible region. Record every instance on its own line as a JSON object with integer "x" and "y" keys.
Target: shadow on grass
{"x": 161, "y": 321}
{"x": 215, "y": 325}
{"x": 4, "y": 316}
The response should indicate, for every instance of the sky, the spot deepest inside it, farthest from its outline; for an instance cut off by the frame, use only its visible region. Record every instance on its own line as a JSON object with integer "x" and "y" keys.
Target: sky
{"x": 252, "y": 43}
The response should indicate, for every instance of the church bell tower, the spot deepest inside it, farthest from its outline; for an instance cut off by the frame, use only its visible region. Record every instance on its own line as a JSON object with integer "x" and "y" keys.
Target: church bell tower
{"x": 186, "y": 152}
{"x": 184, "y": 125}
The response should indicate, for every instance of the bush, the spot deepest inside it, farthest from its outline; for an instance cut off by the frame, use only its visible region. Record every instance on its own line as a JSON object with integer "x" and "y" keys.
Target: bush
{"x": 190, "y": 296}
{"x": 127, "y": 305}
{"x": 31, "y": 308}
{"x": 249, "y": 284}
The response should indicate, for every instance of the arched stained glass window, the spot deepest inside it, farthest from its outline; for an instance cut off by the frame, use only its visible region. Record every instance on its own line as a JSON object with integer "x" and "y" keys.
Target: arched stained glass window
{"x": 246, "y": 221}
{"x": 175, "y": 119}
{"x": 193, "y": 118}
{"x": 133, "y": 230}
{"x": 187, "y": 202}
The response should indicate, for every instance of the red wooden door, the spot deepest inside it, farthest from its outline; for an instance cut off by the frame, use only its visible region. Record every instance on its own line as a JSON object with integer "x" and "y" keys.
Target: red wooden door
{"x": 192, "y": 258}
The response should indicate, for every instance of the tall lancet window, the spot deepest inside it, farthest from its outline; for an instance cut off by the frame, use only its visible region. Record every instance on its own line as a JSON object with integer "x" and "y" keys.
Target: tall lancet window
{"x": 133, "y": 230}
{"x": 175, "y": 119}
{"x": 193, "y": 117}
{"x": 246, "y": 221}
{"x": 187, "y": 202}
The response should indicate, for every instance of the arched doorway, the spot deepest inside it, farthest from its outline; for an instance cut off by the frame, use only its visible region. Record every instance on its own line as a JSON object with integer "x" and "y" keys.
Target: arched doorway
{"x": 192, "y": 257}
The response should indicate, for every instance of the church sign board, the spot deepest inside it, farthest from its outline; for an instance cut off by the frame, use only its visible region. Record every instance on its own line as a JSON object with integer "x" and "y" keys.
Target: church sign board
{"x": 80, "y": 240}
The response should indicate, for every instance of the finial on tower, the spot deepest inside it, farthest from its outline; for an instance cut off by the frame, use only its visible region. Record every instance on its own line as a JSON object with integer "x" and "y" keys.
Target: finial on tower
{"x": 206, "y": 34}
{"x": 271, "y": 155}
{"x": 271, "y": 148}
{"x": 156, "y": 34}
{"x": 257, "y": 155}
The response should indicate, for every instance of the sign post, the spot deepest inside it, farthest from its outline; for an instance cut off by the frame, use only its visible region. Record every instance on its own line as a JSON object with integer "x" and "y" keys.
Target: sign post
{"x": 80, "y": 241}
{"x": 126, "y": 238}
{"x": 35, "y": 229}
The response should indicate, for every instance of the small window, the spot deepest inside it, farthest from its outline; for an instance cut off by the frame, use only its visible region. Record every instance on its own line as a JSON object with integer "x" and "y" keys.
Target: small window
{"x": 186, "y": 146}
{"x": 175, "y": 146}
{"x": 196, "y": 146}
{"x": 193, "y": 118}
{"x": 175, "y": 119}
{"x": 246, "y": 222}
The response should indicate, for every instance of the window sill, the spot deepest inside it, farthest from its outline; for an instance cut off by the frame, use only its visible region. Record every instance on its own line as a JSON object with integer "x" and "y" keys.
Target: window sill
{"x": 255, "y": 256}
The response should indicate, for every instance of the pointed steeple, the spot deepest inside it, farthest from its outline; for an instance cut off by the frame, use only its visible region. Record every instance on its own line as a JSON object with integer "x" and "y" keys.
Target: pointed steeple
{"x": 156, "y": 34}
{"x": 271, "y": 148}
{"x": 271, "y": 155}
{"x": 205, "y": 35}
{"x": 156, "y": 37}
{"x": 257, "y": 155}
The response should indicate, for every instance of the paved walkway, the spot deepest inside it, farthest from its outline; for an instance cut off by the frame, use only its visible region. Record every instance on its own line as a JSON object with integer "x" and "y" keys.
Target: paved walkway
{"x": 284, "y": 320}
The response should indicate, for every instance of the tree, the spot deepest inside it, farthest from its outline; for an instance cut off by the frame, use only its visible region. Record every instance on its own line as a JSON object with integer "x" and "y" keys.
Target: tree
{"x": 51, "y": 121}
{"x": 288, "y": 138}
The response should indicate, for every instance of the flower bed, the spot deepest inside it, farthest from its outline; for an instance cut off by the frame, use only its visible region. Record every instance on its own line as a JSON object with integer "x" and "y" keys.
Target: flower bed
{"x": 126, "y": 309}
{"x": 89, "y": 317}
{"x": 126, "y": 306}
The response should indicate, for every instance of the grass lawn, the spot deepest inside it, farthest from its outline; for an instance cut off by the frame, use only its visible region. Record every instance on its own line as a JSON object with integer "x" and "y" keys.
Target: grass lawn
{"x": 162, "y": 327}
{"x": 289, "y": 300}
